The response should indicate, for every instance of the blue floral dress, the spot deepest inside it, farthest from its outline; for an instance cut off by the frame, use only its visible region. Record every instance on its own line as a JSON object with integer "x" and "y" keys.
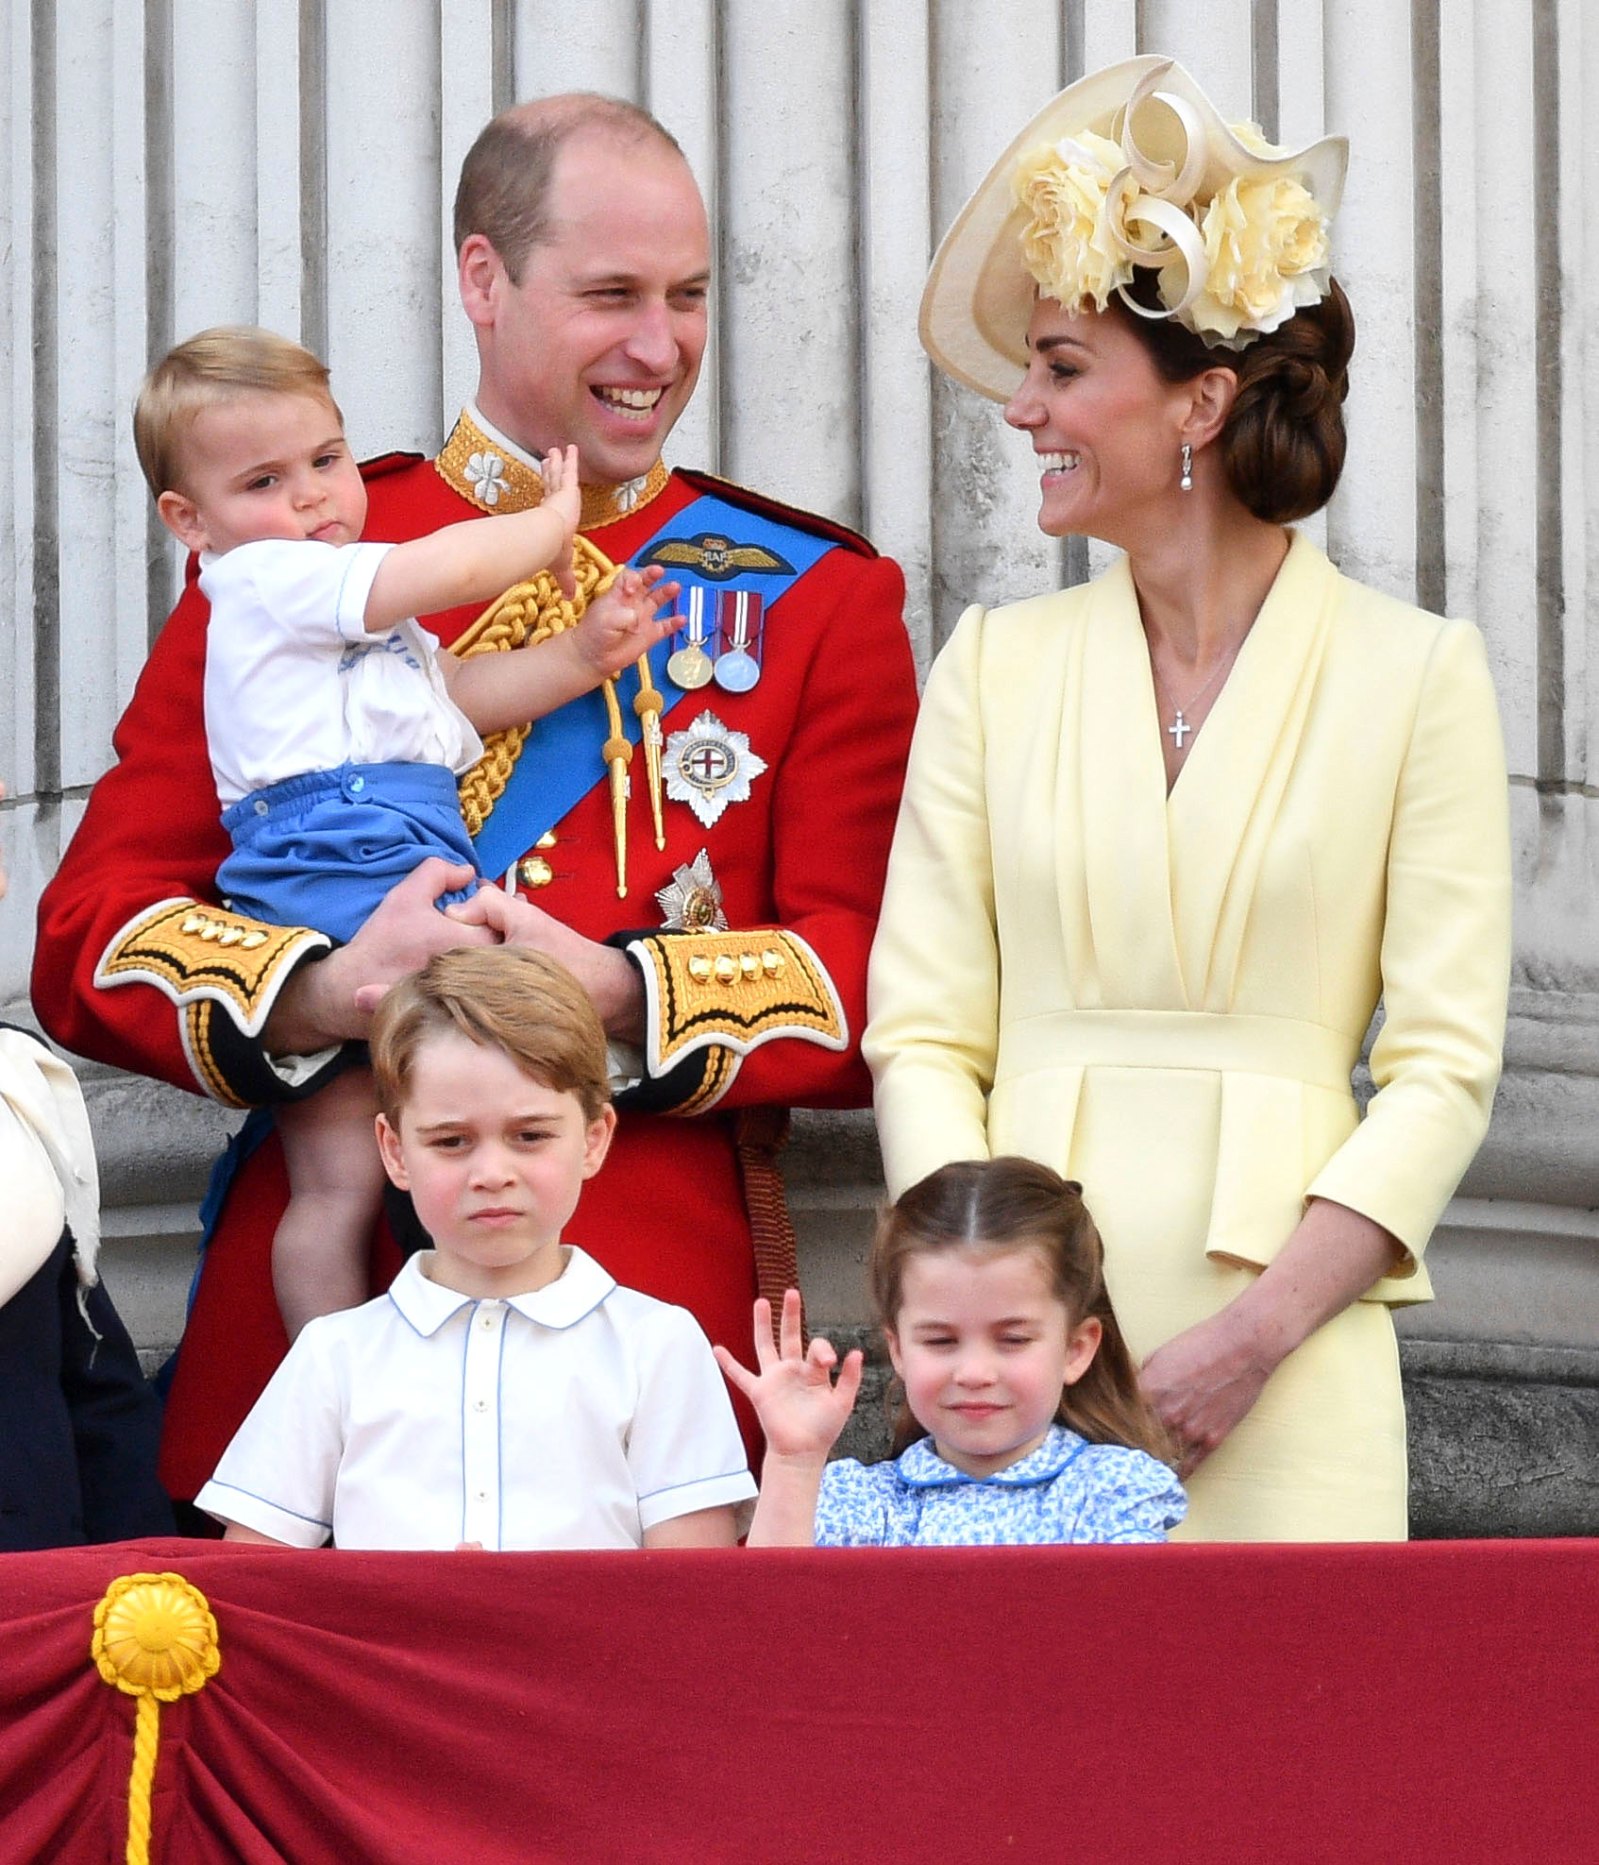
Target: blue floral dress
{"x": 1066, "y": 1490}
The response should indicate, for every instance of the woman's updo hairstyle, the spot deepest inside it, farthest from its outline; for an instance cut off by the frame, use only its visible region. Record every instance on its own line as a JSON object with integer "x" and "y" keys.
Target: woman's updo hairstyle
{"x": 1284, "y": 443}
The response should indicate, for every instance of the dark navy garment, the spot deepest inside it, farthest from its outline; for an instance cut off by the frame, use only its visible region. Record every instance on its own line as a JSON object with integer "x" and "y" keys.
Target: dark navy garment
{"x": 79, "y": 1424}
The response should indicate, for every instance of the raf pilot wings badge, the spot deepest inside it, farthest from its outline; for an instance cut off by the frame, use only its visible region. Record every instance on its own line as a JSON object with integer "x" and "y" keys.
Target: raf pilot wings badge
{"x": 718, "y": 559}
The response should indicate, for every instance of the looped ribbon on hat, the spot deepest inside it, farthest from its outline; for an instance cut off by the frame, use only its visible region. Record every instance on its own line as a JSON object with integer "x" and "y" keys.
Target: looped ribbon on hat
{"x": 1150, "y": 192}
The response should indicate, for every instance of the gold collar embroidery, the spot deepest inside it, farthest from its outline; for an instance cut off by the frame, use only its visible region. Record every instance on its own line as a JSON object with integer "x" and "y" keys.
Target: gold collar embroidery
{"x": 486, "y": 470}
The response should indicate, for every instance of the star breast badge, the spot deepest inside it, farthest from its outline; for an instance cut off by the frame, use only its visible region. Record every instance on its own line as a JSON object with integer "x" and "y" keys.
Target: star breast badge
{"x": 708, "y": 767}
{"x": 692, "y": 900}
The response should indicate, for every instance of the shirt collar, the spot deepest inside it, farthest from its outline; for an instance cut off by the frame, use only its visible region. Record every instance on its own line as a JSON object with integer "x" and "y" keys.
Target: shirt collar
{"x": 576, "y": 1292}
{"x": 490, "y": 469}
{"x": 921, "y": 1467}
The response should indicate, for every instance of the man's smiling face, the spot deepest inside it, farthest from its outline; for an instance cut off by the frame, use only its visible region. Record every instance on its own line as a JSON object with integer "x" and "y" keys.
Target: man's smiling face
{"x": 600, "y": 341}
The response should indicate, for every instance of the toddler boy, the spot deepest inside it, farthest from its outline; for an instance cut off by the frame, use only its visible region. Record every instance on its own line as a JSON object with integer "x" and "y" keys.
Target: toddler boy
{"x": 335, "y": 727}
{"x": 505, "y": 1391}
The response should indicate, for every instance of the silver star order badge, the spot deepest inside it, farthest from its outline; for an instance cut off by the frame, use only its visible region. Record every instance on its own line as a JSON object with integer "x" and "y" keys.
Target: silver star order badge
{"x": 708, "y": 767}
{"x": 692, "y": 900}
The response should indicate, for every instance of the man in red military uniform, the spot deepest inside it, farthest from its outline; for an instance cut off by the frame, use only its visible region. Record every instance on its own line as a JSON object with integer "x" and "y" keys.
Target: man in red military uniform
{"x": 730, "y": 974}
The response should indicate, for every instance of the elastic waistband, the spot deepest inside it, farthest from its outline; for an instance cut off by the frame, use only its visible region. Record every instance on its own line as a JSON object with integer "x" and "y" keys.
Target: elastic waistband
{"x": 405, "y": 785}
{"x": 1179, "y": 1039}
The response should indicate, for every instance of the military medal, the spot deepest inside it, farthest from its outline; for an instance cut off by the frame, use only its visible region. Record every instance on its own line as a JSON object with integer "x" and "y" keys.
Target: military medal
{"x": 692, "y": 900}
{"x": 690, "y": 667}
{"x": 708, "y": 767}
{"x": 737, "y": 669}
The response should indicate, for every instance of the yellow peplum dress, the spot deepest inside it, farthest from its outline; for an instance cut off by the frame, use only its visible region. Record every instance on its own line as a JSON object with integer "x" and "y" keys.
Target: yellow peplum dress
{"x": 1165, "y": 997}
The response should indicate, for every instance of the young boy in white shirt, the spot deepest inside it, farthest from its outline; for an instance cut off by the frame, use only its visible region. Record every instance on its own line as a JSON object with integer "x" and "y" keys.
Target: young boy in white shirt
{"x": 335, "y": 726}
{"x": 505, "y": 1392}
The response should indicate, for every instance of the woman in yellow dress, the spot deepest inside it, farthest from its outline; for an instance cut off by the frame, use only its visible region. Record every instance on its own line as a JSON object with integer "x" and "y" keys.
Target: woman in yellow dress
{"x": 1169, "y": 838}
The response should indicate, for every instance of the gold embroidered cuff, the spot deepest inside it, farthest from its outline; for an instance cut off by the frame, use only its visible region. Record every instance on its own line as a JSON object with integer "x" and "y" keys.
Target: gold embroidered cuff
{"x": 207, "y": 961}
{"x": 732, "y": 991}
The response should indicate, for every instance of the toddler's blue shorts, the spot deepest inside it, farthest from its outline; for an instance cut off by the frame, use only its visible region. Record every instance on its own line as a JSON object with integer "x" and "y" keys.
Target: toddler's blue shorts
{"x": 324, "y": 848}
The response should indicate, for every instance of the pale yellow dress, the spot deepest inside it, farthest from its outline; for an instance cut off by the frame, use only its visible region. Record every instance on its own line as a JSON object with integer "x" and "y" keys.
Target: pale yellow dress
{"x": 1165, "y": 997}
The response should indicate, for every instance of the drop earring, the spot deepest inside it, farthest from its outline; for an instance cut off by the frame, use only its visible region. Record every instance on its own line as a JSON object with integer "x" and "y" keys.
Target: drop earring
{"x": 1186, "y": 482}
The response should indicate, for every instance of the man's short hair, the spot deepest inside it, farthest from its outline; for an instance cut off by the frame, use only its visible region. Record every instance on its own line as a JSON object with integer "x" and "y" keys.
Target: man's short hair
{"x": 504, "y": 997}
{"x": 216, "y": 366}
{"x": 505, "y": 180}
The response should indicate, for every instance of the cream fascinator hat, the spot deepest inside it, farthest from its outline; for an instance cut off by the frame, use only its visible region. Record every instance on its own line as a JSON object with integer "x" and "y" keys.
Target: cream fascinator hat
{"x": 1132, "y": 170}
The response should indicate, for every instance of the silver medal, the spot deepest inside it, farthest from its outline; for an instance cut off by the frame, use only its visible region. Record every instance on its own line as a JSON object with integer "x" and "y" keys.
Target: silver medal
{"x": 737, "y": 669}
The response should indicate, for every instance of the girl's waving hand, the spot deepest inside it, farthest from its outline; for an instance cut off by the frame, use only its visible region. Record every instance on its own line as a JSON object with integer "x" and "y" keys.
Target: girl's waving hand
{"x": 802, "y": 1410}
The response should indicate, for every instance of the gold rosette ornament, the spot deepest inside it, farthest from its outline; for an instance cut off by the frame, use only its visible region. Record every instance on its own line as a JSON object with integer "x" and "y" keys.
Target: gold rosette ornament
{"x": 155, "y": 1639}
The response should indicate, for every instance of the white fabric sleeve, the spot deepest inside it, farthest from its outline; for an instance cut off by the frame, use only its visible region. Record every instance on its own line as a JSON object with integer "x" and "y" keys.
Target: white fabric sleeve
{"x": 302, "y": 588}
{"x": 684, "y": 1451}
{"x": 279, "y": 1473}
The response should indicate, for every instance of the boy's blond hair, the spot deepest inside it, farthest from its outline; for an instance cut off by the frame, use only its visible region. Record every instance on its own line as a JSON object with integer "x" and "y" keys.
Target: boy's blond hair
{"x": 505, "y": 997}
{"x": 216, "y": 366}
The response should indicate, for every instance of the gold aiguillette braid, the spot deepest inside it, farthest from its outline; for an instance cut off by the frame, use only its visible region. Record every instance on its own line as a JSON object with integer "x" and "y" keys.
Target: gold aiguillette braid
{"x": 532, "y": 612}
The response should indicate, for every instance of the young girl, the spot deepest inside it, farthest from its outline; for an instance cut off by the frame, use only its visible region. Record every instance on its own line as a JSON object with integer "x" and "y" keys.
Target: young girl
{"x": 1022, "y": 1420}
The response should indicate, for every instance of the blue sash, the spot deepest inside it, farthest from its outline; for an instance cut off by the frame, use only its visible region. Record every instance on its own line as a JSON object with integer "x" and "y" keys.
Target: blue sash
{"x": 560, "y": 761}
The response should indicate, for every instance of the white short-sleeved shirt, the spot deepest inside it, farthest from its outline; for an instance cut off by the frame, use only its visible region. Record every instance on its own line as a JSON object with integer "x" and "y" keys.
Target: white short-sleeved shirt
{"x": 294, "y": 683}
{"x": 574, "y": 1417}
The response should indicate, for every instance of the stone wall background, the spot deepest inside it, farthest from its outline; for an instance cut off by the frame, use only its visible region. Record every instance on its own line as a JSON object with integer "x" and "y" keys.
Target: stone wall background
{"x": 166, "y": 164}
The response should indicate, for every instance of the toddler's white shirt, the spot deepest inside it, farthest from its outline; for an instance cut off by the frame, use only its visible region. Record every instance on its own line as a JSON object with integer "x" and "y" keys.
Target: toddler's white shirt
{"x": 574, "y": 1417}
{"x": 294, "y": 683}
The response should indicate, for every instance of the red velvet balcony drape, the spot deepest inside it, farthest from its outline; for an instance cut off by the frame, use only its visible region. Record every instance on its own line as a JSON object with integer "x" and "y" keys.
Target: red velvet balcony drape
{"x": 1410, "y": 1703}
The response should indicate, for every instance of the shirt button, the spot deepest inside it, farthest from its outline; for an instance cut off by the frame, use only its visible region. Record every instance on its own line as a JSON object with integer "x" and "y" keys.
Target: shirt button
{"x": 483, "y": 1495}
{"x": 480, "y": 1405}
{"x": 261, "y": 807}
{"x": 358, "y": 784}
{"x": 487, "y": 1321}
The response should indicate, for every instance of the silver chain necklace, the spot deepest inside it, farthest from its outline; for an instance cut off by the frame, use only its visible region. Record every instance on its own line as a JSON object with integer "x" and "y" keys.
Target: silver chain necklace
{"x": 1179, "y": 729}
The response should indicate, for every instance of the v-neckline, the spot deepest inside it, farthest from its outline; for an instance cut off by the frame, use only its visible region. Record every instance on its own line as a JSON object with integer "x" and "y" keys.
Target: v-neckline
{"x": 1188, "y": 853}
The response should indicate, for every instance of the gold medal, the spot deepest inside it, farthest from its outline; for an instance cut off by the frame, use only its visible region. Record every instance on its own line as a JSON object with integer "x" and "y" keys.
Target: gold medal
{"x": 690, "y": 666}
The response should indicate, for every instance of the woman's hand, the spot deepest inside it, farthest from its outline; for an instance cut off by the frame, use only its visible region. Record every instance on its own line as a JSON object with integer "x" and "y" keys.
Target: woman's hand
{"x": 1202, "y": 1382}
{"x": 801, "y": 1409}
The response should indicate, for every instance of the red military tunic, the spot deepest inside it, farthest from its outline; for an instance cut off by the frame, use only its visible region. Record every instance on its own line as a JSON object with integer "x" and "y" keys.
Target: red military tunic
{"x": 138, "y": 966}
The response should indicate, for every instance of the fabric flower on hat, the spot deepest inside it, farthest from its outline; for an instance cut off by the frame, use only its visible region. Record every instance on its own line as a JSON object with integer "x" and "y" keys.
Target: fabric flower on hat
{"x": 1267, "y": 250}
{"x": 1067, "y": 244}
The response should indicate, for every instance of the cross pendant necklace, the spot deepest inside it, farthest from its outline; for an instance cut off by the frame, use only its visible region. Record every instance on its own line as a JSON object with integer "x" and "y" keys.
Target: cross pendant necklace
{"x": 1180, "y": 729}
